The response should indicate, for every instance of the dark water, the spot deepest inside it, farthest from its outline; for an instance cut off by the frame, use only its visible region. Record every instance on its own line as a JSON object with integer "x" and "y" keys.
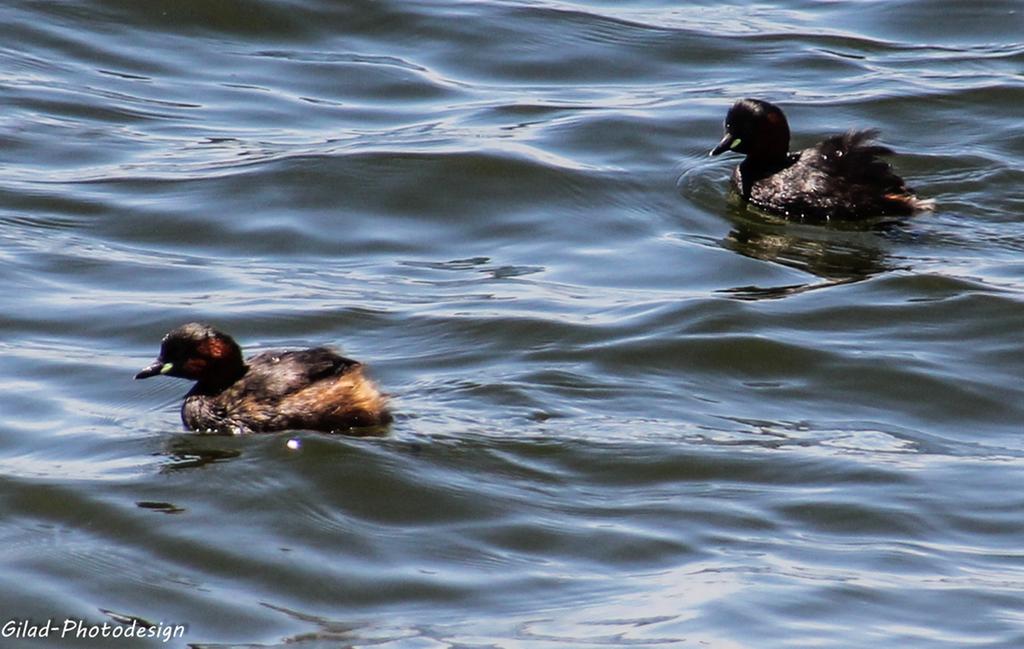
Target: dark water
{"x": 629, "y": 412}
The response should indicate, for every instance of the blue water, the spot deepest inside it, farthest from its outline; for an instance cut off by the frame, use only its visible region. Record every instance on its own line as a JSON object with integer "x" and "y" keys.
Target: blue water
{"x": 629, "y": 412}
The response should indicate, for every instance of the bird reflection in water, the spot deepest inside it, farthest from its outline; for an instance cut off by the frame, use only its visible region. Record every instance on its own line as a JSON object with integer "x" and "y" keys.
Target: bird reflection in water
{"x": 833, "y": 254}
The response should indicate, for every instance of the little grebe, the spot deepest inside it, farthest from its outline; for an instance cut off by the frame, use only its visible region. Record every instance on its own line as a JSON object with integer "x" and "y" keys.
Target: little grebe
{"x": 313, "y": 389}
{"x": 840, "y": 178}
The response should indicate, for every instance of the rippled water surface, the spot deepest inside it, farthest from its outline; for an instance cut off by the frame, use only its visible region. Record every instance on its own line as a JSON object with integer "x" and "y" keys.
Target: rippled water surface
{"x": 629, "y": 411}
